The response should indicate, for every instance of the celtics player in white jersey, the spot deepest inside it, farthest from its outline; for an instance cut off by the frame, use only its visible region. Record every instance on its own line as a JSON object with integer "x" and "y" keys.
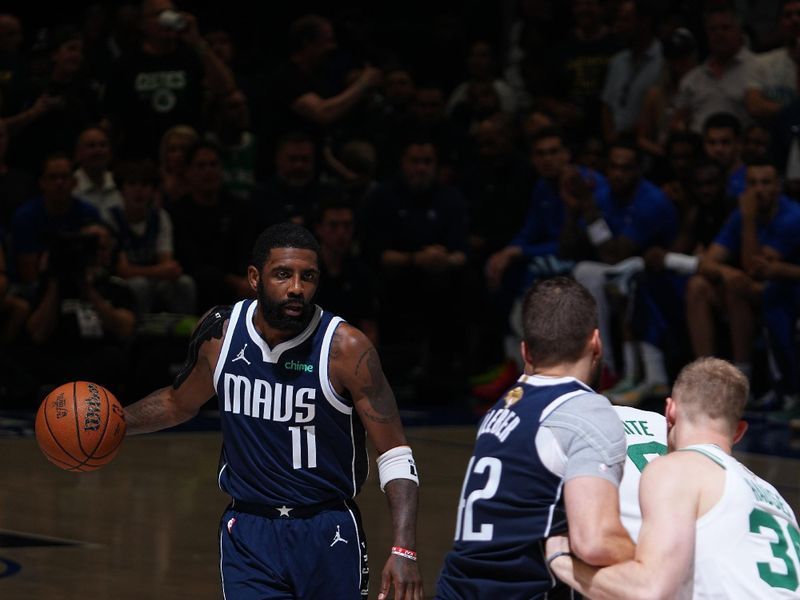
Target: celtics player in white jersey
{"x": 646, "y": 436}
{"x": 711, "y": 528}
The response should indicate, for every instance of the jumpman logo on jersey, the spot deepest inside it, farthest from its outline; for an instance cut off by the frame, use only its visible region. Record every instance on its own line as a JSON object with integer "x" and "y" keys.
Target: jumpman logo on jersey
{"x": 241, "y": 356}
{"x": 338, "y": 537}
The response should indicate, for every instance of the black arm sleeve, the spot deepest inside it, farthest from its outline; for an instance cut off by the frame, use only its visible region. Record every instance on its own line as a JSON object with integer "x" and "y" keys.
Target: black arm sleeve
{"x": 211, "y": 325}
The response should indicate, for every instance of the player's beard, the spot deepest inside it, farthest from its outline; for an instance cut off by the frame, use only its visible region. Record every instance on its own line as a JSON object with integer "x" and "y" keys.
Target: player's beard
{"x": 275, "y": 317}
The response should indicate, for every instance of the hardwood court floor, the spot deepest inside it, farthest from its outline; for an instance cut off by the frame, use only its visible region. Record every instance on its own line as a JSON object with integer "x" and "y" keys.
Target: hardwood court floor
{"x": 144, "y": 527}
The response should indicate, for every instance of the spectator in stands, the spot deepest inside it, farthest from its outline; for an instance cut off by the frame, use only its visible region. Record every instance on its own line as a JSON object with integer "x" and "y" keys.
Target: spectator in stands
{"x": 496, "y": 184}
{"x": 535, "y": 251}
{"x": 417, "y": 236}
{"x": 722, "y": 142}
{"x": 36, "y": 223}
{"x": 756, "y": 141}
{"x": 577, "y": 70}
{"x": 632, "y": 71}
{"x": 634, "y": 216}
{"x": 146, "y": 257}
{"x": 481, "y": 103}
{"x": 163, "y": 82}
{"x": 16, "y": 185}
{"x": 175, "y": 142}
{"x": 292, "y": 191}
{"x": 302, "y": 99}
{"x": 231, "y": 132}
{"x": 683, "y": 150}
{"x": 719, "y": 83}
{"x": 481, "y": 66}
{"x": 213, "y": 231}
{"x": 221, "y": 42}
{"x": 82, "y": 308}
{"x": 773, "y": 84}
{"x": 653, "y": 126}
{"x": 764, "y": 227}
{"x": 429, "y": 118}
{"x": 52, "y": 113}
{"x": 346, "y": 285}
{"x": 94, "y": 182}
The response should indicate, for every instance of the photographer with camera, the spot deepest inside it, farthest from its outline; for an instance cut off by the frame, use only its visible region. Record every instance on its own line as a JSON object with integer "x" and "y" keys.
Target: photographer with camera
{"x": 83, "y": 317}
{"x": 164, "y": 81}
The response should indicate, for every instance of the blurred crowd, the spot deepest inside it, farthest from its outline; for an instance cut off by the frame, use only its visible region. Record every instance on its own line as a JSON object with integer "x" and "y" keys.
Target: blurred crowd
{"x": 647, "y": 148}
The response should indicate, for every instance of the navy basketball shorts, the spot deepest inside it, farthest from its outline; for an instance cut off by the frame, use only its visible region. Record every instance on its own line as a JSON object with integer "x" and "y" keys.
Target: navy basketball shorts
{"x": 319, "y": 556}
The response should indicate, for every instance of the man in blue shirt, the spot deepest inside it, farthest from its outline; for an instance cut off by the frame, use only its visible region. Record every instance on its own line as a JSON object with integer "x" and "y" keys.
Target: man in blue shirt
{"x": 633, "y": 217}
{"x": 39, "y": 221}
{"x": 763, "y": 230}
{"x": 536, "y": 247}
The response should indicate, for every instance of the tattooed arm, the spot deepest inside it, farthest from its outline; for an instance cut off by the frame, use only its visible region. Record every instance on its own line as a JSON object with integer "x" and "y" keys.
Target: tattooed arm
{"x": 356, "y": 367}
{"x": 193, "y": 387}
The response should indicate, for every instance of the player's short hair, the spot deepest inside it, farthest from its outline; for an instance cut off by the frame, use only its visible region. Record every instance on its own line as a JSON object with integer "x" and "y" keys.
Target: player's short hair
{"x": 558, "y": 317}
{"x": 282, "y": 235}
{"x": 711, "y": 388}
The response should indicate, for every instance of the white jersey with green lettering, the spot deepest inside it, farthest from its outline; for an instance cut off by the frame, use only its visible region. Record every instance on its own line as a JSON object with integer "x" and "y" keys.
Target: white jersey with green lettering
{"x": 646, "y": 434}
{"x": 747, "y": 545}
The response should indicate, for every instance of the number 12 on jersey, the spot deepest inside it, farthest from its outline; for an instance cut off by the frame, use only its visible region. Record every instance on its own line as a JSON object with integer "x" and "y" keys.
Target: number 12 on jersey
{"x": 465, "y": 527}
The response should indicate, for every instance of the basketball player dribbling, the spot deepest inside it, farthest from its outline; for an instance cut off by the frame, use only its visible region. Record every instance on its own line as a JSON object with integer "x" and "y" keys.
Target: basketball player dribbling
{"x": 299, "y": 390}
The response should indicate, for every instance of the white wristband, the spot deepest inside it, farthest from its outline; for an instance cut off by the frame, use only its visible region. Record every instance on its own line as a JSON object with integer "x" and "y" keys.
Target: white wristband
{"x": 683, "y": 264}
{"x": 599, "y": 232}
{"x": 397, "y": 463}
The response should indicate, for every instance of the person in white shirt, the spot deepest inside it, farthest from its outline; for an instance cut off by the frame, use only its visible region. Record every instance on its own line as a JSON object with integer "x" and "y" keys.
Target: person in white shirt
{"x": 94, "y": 181}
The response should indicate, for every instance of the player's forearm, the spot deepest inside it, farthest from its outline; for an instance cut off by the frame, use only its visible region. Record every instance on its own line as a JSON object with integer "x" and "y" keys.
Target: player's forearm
{"x": 631, "y": 580}
{"x": 627, "y": 580}
{"x": 402, "y": 495}
{"x": 154, "y": 412}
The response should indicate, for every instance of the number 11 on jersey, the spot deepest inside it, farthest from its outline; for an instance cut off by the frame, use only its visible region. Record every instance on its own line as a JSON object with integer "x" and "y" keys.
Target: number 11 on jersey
{"x": 311, "y": 446}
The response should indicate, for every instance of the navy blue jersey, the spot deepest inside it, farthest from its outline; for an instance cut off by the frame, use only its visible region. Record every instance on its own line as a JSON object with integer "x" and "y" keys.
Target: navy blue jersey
{"x": 510, "y": 502}
{"x": 289, "y": 438}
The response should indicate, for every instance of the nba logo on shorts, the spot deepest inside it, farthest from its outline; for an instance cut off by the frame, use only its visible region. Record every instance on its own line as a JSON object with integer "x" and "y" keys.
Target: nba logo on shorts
{"x": 231, "y": 523}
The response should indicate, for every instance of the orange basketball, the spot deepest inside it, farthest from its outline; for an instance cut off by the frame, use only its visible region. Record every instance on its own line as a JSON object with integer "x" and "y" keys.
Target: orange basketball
{"x": 80, "y": 426}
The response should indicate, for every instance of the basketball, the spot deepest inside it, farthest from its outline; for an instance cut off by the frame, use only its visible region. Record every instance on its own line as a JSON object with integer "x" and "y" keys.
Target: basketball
{"x": 80, "y": 426}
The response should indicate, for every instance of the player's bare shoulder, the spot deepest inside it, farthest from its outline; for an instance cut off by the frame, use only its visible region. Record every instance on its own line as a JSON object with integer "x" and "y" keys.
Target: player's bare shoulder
{"x": 356, "y": 366}
{"x": 205, "y": 343}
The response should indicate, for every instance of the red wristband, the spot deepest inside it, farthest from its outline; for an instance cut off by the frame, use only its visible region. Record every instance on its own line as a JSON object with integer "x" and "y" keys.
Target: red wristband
{"x": 404, "y": 552}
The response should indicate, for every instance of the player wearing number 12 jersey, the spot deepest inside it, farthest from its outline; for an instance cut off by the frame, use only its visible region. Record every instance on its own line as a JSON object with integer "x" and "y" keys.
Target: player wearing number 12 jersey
{"x": 548, "y": 456}
{"x": 711, "y": 528}
{"x": 298, "y": 391}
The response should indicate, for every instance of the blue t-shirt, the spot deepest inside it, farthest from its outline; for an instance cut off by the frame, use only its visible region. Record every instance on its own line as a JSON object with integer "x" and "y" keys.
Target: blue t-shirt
{"x": 648, "y": 219}
{"x": 781, "y": 233}
{"x": 736, "y": 182}
{"x": 33, "y": 229}
{"x": 541, "y": 230}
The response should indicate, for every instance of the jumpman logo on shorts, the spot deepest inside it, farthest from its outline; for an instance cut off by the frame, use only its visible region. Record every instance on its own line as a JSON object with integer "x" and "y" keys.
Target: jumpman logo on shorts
{"x": 241, "y": 356}
{"x": 338, "y": 537}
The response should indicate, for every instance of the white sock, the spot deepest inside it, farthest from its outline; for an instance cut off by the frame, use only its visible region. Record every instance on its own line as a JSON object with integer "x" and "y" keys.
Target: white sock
{"x": 629, "y": 360}
{"x": 745, "y": 367}
{"x": 655, "y": 373}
